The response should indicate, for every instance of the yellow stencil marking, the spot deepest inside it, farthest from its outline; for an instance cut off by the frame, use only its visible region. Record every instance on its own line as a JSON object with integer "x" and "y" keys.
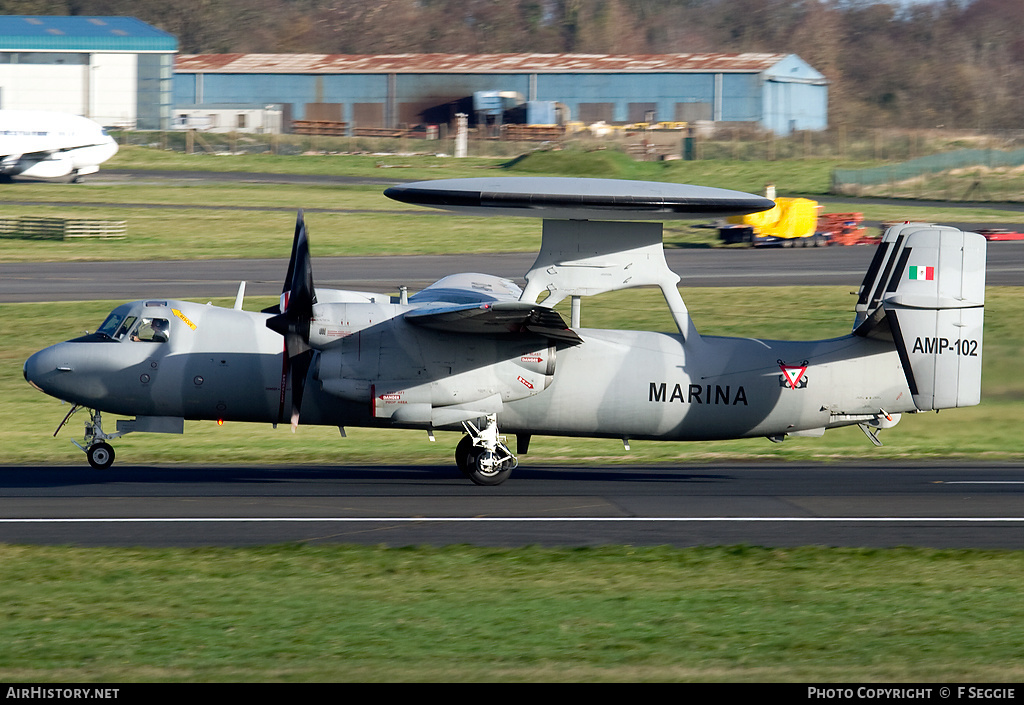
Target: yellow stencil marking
{"x": 183, "y": 317}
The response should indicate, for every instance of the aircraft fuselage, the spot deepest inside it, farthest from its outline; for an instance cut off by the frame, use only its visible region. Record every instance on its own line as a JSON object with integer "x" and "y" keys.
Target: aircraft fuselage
{"x": 218, "y": 363}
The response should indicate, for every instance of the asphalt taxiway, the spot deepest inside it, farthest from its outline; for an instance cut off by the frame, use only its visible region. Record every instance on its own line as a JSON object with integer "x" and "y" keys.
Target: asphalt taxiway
{"x": 127, "y": 281}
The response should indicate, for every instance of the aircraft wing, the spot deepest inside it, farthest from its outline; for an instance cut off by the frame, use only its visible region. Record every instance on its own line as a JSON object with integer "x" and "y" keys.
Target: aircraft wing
{"x": 501, "y": 317}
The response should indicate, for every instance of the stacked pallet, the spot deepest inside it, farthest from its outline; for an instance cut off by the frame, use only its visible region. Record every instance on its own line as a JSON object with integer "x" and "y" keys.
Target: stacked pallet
{"x": 39, "y": 228}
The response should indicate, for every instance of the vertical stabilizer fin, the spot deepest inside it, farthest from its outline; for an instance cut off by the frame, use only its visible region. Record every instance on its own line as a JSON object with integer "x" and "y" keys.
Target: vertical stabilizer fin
{"x": 925, "y": 290}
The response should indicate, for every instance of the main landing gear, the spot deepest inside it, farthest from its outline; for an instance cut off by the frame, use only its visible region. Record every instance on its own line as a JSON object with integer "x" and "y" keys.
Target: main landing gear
{"x": 99, "y": 453}
{"x": 482, "y": 455}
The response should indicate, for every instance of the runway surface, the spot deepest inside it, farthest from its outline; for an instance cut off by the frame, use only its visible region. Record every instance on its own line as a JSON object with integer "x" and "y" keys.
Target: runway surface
{"x": 940, "y": 506}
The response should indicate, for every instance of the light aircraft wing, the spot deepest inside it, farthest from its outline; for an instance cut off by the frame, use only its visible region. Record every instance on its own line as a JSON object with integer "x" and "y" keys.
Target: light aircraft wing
{"x": 499, "y": 317}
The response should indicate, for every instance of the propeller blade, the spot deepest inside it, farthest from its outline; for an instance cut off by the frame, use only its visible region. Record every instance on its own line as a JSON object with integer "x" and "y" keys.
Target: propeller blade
{"x": 300, "y": 225}
{"x": 297, "y": 299}
{"x": 298, "y": 367}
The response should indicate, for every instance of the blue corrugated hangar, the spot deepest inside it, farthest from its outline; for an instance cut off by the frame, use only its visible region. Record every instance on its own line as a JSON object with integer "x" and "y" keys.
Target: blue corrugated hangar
{"x": 123, "y": 72}
{"x": 115, "y": 70}
{"x": 778, "y": 92}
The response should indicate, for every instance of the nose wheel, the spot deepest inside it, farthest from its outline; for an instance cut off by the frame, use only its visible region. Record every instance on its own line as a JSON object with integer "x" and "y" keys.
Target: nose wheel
{"x": 100, "y": 455}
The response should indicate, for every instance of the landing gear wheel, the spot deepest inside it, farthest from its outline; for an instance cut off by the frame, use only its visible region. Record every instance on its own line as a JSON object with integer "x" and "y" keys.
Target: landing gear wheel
{"x": 100, "y": 455}
{"x": 462, "y": 451}
{"x": 482, "y": 468}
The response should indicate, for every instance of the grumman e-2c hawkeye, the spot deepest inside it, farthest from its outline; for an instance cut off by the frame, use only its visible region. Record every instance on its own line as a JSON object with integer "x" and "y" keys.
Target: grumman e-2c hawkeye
{"x": 477, "y": 353}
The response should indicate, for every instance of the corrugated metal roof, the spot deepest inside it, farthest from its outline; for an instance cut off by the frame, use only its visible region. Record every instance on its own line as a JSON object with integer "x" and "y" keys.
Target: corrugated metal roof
{"x": 474, "y": 63}
{"x": 62, "y": 33}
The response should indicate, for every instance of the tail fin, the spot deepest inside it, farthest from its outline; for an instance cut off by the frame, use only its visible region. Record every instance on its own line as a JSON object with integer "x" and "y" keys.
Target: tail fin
{"x": 925, "y": 291}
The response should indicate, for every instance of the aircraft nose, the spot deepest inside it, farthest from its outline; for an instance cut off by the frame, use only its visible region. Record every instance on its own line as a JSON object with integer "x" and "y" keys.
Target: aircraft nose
{"x": 42, "y": 367}
{"x": 53, "y": 371}
{"x": 73, "y": 371}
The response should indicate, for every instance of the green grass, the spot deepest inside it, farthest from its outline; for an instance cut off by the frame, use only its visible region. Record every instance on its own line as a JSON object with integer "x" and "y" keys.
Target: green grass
{"x": 225, "y": 234}
{"x": 362, "y": 221}
{"x": 344, "y": 613}
{"x": 807, "y": 176}
{"x": 989, "y": 431}
{"x": 373, "y": 166}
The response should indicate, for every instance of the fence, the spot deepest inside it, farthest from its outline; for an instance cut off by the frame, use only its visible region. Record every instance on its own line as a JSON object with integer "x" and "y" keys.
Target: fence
{"x": 965, "y": 174}
{"x": 38, "y": 228}
{"x": 741, "y": 142}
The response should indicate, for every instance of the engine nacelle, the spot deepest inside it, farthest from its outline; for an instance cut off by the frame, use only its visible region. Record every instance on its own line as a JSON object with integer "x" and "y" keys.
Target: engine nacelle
{"x": 358, "y": 311}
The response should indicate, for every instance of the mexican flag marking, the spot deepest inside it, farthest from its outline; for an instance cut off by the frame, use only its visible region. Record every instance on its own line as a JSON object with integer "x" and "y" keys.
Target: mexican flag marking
{"x": 919, "y": 272}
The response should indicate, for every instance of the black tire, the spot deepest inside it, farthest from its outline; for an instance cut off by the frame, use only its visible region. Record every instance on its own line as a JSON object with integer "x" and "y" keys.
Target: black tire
{"x": 462, "y": 451}
{"x": 490, "y": 477}
{"x": 100, "y": 455}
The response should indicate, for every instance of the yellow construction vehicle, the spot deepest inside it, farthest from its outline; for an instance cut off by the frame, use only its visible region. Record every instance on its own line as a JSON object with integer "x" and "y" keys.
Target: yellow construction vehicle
{"x": 793, "y": 222}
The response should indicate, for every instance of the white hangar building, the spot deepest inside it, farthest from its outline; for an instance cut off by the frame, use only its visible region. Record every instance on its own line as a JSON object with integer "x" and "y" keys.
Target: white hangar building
{"x": 117, "y": 71}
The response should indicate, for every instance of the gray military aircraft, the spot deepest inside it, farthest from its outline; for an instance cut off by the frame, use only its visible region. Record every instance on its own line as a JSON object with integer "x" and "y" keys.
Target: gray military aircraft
{"x": 476, "y": 352}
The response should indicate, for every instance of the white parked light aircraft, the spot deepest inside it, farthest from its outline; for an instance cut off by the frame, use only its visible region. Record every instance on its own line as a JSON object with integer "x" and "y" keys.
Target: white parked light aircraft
{"x": 51, "y": 145}
{"x": 475, "y": 352}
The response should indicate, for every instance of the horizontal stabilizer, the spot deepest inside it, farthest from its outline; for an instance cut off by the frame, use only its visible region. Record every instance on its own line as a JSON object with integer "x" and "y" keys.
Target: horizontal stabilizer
{"x": 499, "y": 318}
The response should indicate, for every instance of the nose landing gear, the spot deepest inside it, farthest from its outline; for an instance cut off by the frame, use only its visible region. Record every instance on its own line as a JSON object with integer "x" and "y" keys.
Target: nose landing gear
{"x": 99, "y": 453}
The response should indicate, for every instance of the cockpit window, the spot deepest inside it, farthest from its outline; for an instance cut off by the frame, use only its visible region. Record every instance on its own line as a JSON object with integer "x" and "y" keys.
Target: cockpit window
{"x": 152, "y": 330}
{"x": 110, "y": 325}
{"x": 124, "y": 327}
